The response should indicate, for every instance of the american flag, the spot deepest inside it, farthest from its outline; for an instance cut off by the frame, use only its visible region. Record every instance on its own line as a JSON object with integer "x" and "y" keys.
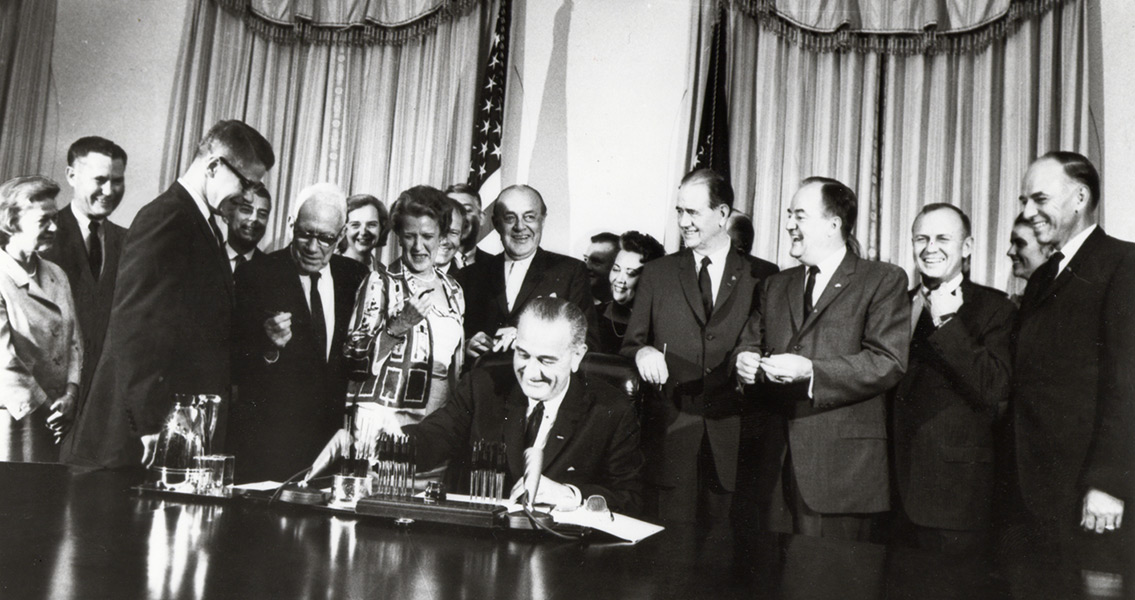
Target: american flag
{"x": 713, "y": 134}
{"x": 486, "y": 154}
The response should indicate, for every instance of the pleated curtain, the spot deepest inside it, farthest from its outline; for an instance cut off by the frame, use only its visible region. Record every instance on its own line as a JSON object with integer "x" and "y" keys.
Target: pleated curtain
{"x": 373, "y": 118}
{"x": 27, "y": 31}
{"x": 907, "y": 129}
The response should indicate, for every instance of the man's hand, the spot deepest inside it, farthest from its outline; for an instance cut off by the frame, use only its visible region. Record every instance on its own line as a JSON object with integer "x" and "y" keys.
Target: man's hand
{"x": 944, "y": 304}
{"x": 786, "y": 368}
{"x": 149, "y": 449}
{"x": 413, "y": 311}
{"x": 548, "y": 491}
{"x": 278, "y": 327}
{"x": 62, "y": 415}
{"x": 479, "y": 344}
{"x": 336, "y": 447}
{"x": 504, "y": 339}
{"x": 651, "y": 365}
{"x": 748, "y": 367}
{"x": 1102, "y": 512}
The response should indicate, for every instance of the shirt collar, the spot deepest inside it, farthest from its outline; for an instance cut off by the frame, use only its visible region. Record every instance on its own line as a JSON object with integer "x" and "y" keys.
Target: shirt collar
{"x": 1072, "y": 246}
{"x": 947, "y": 287}
{"x": 551, "y": 405}
{"x": 523, "y": 261}
{"x": 717, "y": 257}
{"x": 831, "y": 262}
{"x": 198, "y": 199}
{"x": 232, "y": 253}
{"x": 83, "y": 220}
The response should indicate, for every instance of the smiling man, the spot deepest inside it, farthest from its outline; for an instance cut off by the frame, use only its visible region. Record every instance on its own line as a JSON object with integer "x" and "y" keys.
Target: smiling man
{"x": 247, "y": 218}
{"x": 945, "y": 407}
{"x": 87, "y": 244}
{"x": 830, "y": 340}
{"x": 587, "y": 430}
{"x": 497, "y": 288}
{"x": 292, "y": 311}
{"x": 1072, "y": 404}
{"x": 688, "y": 312}
{"x": 169, "y": 328}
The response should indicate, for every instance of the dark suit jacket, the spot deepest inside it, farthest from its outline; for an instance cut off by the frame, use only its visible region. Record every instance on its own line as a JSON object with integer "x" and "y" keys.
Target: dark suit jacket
{"x": 944, "y": 411}
{"x": 593, "y": 444}
{"x": 169, "y": 332}
{"x": 1072, "y": 402}
{"x": 286, "y": 410}
{"x": 857, "y": 337}
{"x": 92, "y": 296}
{"x": 486, "y": 306}
{"x": 668, "y": 313}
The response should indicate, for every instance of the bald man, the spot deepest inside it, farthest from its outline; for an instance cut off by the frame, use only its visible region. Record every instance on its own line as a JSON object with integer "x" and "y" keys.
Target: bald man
{"x": 292, "y": 311}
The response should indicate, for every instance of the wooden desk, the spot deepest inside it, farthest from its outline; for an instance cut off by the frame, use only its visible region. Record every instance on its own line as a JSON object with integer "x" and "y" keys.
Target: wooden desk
{"x": 89, "y": 536}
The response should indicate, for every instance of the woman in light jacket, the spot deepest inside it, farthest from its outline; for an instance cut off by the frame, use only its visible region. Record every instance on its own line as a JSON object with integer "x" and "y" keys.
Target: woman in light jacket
{"x": 41, "y": 352}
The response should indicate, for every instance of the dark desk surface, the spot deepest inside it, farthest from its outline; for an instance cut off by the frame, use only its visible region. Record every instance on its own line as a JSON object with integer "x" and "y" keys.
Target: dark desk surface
{"x": 89, "y": 536}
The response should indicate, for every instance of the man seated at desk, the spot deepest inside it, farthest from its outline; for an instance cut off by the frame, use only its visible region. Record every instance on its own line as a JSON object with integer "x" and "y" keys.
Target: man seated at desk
{"x": 588, "y": 430}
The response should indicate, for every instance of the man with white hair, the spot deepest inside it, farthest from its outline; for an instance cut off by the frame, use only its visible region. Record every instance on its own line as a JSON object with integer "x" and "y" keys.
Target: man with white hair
{"x": 292, "y": 311}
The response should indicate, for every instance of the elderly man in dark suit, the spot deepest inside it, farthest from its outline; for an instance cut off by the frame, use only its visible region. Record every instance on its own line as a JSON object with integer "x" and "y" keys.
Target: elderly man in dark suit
{"x": 945, "y": 408}
{"x": 688, "y": 312}
{"x": 830, "y": 341}
{"x": 87, "y": 245}
{"x": 292, "y": 310}
{"x": 169, "y": 330}
{"x": 497, "y": 288}
{"x": 1072, "y": 404}
{"x": 585, "y": 431}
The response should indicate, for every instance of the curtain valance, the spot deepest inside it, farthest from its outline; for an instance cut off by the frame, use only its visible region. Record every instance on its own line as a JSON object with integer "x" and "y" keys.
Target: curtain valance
{"x": 354, "y": 22}
{"x": 903, "y": 28}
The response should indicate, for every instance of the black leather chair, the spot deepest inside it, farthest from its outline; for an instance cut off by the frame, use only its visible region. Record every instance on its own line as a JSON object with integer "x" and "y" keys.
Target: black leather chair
{"x": 611, "y": 369}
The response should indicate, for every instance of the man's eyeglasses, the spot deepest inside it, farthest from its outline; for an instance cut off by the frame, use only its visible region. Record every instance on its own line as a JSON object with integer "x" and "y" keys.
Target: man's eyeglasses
{"x": 246, "y": 184}
{"x": 324, "y": 240}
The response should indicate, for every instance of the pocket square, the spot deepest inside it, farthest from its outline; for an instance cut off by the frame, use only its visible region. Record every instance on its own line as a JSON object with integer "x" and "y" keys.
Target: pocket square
{"x": 570, "y": 469}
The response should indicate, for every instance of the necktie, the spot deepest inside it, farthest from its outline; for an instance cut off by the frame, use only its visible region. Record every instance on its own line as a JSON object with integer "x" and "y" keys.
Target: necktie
{"x": 94, "y": 249}
{"x": 532, "y": 427}
{"x": 1046, "y": 274}
{"x": 705, "y": 286}
{"x": 809, "y": 288}
{"x": 240, "y": 260}
{"x": 318, "y": 322}
{"x": 216, "y": 231}
{"x": 512, "y": 282}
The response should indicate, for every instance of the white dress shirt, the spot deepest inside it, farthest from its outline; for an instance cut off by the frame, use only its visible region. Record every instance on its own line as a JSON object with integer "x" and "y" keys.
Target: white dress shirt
{"x": 85, "y": 231}
{"x": 827, "y": 268}
{"x": 327, "y": 296}
{"x": 514, "y": 272}
{"x": 716, "y": 267}
{"x": 203, "y": 206}
{"x": 551, "y": 409}
{"x": 1072, "y": 246}
{"x": 232, "y": 254}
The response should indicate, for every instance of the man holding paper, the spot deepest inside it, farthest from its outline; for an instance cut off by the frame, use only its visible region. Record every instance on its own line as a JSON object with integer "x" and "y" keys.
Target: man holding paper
{"x": 587, "y": 430}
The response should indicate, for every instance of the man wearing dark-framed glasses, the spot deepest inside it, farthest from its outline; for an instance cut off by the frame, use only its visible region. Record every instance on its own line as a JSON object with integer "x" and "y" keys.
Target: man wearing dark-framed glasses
{"x": 169, "y": 328}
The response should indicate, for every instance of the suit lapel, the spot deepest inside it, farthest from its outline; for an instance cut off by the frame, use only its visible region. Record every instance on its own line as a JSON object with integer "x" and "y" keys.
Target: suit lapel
{"x": 729, "y": 276}
{"x": 835, "y": 287}
{"x": 688, "y": 279}
{"x": 209, "y": 238}
{"x": 532, "y": 278}
{"x": 516, "y": 409}
{"x": 1082, "y": 255}
{"x": 572, "y": 409}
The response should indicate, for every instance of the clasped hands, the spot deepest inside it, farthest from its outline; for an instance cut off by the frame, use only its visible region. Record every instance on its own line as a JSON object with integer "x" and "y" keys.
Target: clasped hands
{"x": 778, "y": 368}
{"x": 62, "y": 413}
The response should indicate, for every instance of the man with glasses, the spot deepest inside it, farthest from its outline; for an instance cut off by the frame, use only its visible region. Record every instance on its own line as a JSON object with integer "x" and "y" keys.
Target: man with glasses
{"x": 292, "y": 311}
{"x": 169, "y": 329}
{"x": 497, "y": 288}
